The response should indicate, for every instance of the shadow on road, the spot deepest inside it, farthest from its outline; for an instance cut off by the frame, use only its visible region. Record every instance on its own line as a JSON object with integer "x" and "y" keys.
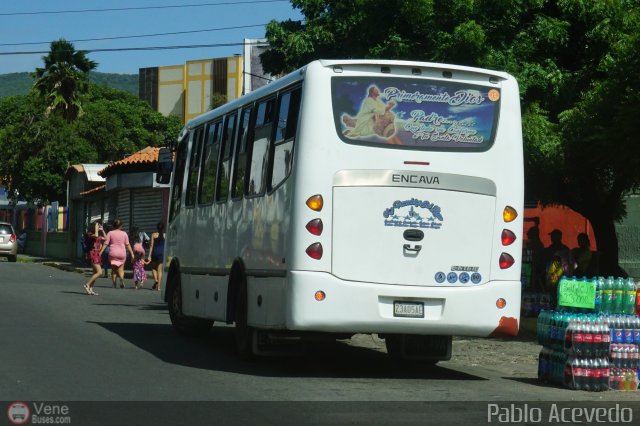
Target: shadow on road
{"x": 533, "y": 381}
{"x": 80, "y": 292}
{"x": 155, "y": 307}
{"x": 216, "y": 351}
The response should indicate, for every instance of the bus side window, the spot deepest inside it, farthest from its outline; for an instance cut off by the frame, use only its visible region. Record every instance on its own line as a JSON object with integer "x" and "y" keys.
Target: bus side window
{"x": 240, "y": 163}
{"x": 194, "y": 167}
{"x": 178, "y": 177}
{"x": 209, "y": 164}
{"x": 258, "y": 147}
{"x": 287, "y": 125}
{"x": 224, "y": 174}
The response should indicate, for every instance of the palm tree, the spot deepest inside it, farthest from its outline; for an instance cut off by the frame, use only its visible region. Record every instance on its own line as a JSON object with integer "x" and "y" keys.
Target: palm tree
{"x": 64, "y": 79}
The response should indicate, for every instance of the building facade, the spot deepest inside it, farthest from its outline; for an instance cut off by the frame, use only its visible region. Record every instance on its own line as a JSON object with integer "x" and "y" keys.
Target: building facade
{"x": 136, "y": 198}
{"x": 124, "y": 189}
{"x": 190, "y": 89}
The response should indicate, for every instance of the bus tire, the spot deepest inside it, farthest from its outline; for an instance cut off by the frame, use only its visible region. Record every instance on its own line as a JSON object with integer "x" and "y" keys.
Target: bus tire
{"x": 244, "y": 333}
{"x": 182, "y": 323}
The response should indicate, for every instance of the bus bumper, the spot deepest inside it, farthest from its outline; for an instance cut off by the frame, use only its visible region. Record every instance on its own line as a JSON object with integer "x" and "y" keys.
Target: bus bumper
{"x": 362, "y": 307}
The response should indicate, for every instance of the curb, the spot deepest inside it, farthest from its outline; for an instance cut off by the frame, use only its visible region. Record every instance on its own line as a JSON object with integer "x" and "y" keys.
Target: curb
{"x": 64, "y": 267}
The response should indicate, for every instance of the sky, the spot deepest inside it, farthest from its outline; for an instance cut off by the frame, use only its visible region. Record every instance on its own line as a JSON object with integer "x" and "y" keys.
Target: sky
{"x": 30, "y": 26}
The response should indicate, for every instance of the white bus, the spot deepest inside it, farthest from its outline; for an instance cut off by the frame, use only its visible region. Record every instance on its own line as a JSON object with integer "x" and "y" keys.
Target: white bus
{"x": 352, "y": 196}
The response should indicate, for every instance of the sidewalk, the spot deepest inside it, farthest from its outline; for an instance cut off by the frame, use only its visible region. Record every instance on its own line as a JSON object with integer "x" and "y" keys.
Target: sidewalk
{"x": 70, "y": 265}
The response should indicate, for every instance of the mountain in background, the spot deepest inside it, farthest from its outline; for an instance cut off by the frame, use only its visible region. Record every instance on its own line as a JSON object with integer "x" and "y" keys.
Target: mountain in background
{"x": 19, "y": 83}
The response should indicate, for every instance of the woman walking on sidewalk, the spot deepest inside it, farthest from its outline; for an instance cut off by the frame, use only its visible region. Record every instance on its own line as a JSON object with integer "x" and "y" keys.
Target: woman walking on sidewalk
{"x": 156, "y": 254}
{"x": 118, "y": 243}
{"x": 96, "y": 237}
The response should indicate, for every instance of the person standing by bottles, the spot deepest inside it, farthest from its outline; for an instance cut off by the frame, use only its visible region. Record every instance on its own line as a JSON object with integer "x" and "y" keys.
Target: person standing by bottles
{"x": 557, "y": 247}
{"x": 582, "y": 255}
{"x": 156, "y": 254}
{"x": 118, "y": 243}
{"x": 560, "y": 262}
{"x": 96, "y": 237}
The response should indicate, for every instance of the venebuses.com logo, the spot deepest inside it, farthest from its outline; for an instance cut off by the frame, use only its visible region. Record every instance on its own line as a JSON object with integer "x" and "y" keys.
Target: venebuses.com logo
{"x": 18, "y": 413}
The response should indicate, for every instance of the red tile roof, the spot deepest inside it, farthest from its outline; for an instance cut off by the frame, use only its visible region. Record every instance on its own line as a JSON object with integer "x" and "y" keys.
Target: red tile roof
{"x": 146, "y": 156}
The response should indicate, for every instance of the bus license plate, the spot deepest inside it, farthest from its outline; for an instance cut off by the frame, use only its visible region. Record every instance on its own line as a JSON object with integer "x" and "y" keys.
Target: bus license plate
{"x": 408, "y": 309}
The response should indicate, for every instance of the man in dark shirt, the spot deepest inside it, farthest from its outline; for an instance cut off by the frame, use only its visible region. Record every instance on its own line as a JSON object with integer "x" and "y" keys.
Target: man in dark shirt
{"x": 556, "y": 243}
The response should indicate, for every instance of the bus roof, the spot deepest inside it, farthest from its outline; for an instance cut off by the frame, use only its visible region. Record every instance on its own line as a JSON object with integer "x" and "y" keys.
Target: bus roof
{"x": 414, "y": 64}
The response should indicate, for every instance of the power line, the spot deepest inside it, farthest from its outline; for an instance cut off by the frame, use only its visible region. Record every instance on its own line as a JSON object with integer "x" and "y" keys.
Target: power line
{"x": 257, "y": 76}
{"x": 124, "y": 49}
{"x": 120, "y": 9}
{"x": 138, "y": 36}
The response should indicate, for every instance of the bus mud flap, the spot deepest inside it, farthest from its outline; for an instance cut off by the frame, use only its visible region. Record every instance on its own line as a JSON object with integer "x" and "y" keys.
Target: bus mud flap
{"x": 507, "y": 327}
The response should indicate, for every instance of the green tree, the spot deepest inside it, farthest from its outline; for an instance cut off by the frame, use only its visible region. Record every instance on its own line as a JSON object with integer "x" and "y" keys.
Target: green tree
{"x": 119, "y": 124}
{"x": 64, "y": 79}
{"x": 576, "y": 62}
{"x": 37, "y": 148}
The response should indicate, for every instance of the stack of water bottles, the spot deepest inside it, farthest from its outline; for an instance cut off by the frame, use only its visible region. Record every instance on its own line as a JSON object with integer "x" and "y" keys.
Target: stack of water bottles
{"x": 575, "y": 350}
{"x": 620, "y": 305}
{"x": 616, "y": 296}
{"x": 593, "y": 349}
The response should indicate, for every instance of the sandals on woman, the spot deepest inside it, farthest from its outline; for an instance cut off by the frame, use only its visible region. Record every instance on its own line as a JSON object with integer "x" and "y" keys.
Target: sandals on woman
{"x": 89, "y": 291}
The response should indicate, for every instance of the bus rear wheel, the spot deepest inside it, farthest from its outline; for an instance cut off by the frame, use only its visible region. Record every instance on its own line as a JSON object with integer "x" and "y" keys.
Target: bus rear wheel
{"x": 182, "y": 323}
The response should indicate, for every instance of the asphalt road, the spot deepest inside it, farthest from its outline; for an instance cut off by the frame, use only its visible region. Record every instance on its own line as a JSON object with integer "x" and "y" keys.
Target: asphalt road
{"x": 119, "y": 351}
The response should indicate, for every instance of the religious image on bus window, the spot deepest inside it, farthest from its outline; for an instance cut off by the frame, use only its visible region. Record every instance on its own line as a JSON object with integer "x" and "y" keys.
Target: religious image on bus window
{"x": 415, "y": 113}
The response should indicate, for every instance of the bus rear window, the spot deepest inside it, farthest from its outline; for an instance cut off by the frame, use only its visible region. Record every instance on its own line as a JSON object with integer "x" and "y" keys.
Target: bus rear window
{"x": 415, "y": 113}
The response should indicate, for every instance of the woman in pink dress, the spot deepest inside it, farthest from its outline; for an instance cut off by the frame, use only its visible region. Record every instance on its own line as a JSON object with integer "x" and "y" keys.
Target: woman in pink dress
{"x": 118, "y": 243}
{"x": 96, "y": 237}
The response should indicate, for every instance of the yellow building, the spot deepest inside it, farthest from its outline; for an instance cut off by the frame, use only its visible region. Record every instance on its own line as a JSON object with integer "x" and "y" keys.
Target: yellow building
{"x": 189, "y": 90}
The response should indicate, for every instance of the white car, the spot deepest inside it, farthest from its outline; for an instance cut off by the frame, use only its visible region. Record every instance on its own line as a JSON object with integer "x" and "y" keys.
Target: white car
{"x": 8, "y": 242}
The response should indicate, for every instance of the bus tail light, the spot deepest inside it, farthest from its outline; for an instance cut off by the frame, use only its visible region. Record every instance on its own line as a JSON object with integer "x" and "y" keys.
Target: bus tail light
{"x": 509, "y": 214}
{"x": 507, "y": 237}
{"x": 315, "y": 226}
{"x": 506, "y": 261}
{"x": 501, "y": 303}
{"x": 315, "y": 251}
{"x": 315, "y": 202}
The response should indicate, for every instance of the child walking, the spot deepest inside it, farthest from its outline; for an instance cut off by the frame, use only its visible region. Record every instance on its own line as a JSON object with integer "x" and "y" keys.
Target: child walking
{"x": 138, "y": 261}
